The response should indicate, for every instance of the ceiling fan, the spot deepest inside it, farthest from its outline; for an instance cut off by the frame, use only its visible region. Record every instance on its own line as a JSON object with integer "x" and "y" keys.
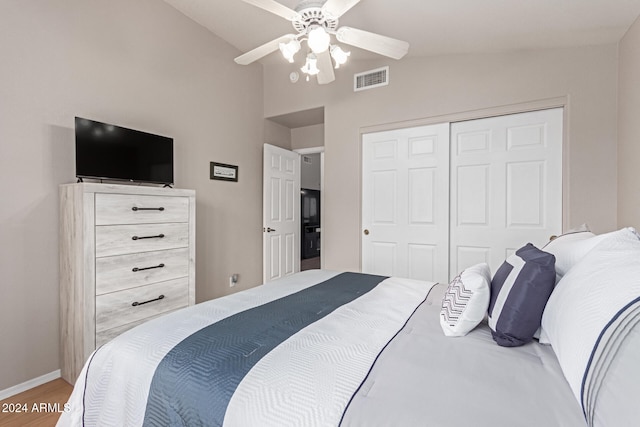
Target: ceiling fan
{"x": 315, "y": 21}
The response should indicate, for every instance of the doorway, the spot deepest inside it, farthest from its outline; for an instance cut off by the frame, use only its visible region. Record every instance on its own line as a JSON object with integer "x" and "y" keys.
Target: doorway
{"x": 311, "y": 195}
{"x": 302, "y": 134}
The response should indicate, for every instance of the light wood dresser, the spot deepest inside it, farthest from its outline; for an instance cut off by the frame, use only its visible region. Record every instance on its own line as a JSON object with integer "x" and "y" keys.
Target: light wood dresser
{"x": 127, "y": 254}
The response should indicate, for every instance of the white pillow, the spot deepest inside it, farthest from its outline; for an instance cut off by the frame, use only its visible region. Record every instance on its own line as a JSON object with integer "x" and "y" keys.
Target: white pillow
{"x": 570, "y": 248}
{"x": 587, "y": 300}
{"x": 465, "y": 301}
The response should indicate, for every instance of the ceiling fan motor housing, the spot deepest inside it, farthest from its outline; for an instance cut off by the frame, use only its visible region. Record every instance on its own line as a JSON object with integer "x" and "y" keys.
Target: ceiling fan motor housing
{"x": 311, "y": 16}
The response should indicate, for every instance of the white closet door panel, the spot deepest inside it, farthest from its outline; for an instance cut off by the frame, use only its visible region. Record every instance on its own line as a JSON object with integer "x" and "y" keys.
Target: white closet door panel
{"x": 473, "y": 142}
{"x": 506, "y": 183}
{"x": 525, "y": 194}
{"x": 421, "y": 193}
{"x": 404, "y": 219}
{"x": 384, "y": 201}
{"x": 472, "y": 195}
{"x": 384, "y": 258}
{"x": 467, "y": 256}
{"x": 421, "y": 260}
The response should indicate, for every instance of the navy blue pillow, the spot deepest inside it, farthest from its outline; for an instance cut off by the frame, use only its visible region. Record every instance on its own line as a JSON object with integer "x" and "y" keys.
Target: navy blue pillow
{"x": 519, "y": 292}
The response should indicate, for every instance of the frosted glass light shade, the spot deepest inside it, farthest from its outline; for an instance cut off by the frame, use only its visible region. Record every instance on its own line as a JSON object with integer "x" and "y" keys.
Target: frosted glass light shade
{"x": 318, "y": 40}
{"x": 311, "y": 66}
{"x": 289, "y": 49}
{"x": 339, "y": 55}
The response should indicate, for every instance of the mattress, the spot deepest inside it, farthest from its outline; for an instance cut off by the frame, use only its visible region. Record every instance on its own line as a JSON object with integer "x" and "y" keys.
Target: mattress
{"x": 371, "y": 352}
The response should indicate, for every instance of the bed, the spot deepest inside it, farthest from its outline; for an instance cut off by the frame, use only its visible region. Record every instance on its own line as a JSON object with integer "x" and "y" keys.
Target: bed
{"x": 325, "y": 348}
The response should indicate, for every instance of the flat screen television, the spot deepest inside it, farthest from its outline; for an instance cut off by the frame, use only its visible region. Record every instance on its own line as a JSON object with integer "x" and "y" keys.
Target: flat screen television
{"x": 105, "y": 151}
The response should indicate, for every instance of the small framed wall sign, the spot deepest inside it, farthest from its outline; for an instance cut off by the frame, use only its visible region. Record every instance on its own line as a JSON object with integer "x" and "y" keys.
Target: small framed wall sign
{"x": 223, "y": 172}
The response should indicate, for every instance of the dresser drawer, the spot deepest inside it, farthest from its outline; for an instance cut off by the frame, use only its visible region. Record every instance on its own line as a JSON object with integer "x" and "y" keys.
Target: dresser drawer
{"x": 106, "y": 336}
{"x": 116, "y": 309}
{"x": 126, "y": 239}
{"x": 115, "y": 273}
{"x": 112, "y": 209}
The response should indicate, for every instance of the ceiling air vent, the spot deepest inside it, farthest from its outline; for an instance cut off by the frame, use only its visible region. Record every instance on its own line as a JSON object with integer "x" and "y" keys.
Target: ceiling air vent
{"x": 371, "y": 79}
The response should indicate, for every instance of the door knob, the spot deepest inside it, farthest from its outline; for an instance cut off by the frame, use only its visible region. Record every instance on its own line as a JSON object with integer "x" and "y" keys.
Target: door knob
{"x": 268, "y": 229}
{"x": 366, "y": 232}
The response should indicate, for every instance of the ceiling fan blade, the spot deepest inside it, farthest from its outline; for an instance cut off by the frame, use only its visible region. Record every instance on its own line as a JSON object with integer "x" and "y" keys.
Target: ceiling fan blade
{"x": 264, "y": 50}
{"x": 326, "y": 74}
{"x": 377, "y": 43}
{"x": 275, "y": 8}
{"x": 337, "y": 8}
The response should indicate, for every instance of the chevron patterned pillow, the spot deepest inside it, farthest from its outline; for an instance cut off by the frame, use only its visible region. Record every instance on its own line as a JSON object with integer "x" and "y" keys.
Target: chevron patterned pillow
{"x": 465, "y": 302}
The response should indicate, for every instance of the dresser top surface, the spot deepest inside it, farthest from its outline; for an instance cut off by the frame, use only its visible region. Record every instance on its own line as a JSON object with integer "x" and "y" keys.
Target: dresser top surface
{"x": 94, "y": 187}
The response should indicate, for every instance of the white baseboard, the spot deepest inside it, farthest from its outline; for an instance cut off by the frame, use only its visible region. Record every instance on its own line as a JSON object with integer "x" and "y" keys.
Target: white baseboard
{"x": 27, "y": 385}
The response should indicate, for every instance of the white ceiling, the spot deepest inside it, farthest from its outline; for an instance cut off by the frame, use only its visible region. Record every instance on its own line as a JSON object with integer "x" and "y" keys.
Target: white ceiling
{"x": 436, "y": 27}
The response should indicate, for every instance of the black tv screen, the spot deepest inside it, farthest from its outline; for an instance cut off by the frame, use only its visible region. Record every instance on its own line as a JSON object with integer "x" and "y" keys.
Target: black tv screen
{"x": 105, "y": 151}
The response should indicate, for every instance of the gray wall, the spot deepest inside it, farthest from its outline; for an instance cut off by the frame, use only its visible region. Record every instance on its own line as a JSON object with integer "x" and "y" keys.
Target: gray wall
{"x": 434, "y": 88}
{"x": 307, "y": 137}
{"x": 277, "y": 134}
{"x": 310, "y": 173}
{"x": 629, "y": 129}
{"x": 109, "y": 61}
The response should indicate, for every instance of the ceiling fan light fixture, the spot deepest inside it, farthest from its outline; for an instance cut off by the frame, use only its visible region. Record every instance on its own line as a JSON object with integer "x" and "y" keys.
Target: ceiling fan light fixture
{"x": 318, "y": 39}
{"x": 311, "y": 66}
{"x": 289, "y": 49}
{"x": 316, "y": 23}
{"x": 339, "y": 55}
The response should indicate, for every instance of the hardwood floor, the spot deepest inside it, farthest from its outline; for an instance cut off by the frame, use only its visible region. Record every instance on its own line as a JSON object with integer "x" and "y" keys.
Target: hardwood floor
{"x": 40, "y": 406}
{"x": 309, "y": 263}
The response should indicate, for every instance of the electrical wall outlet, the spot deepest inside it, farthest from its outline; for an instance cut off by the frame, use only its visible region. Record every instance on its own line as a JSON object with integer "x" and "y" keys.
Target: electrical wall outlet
{"x": 233, "y": 280}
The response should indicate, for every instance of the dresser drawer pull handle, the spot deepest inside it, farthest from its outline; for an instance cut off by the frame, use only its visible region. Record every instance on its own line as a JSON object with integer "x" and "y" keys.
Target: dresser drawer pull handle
{"x": 146, "y": 268}
{"x": 135, "y": 208}
{"x": 135, "y": 304}
{"x": 159, "y": 236}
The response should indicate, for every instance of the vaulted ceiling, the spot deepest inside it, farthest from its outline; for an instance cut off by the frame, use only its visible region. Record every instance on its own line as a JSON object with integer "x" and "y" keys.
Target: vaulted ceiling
{"x": 436, "y": 27}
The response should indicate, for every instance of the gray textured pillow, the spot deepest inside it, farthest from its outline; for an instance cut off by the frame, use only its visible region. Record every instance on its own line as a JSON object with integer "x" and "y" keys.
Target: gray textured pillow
{"x": 519, "y": 292}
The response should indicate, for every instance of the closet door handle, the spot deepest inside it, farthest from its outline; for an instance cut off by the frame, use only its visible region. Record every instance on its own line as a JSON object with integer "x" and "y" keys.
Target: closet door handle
{"x": 366, "y": 232}
{"x": 135, "y": 304}
{"x": 135, "y": 269}
{"x": 135, "y": 209}
{"x": 159, "y": 236}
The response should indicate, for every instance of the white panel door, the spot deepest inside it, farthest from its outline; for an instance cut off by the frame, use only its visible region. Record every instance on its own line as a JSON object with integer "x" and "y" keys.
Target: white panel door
{"x": 405, "y": 202}
{"x": 281, "y": 212}
{"x": 506, "y": 186}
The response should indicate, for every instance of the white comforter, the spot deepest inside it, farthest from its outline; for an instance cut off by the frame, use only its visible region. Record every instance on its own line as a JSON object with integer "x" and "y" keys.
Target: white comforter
{"x": 307, "y": 380}
{"x": 380, "y": 360}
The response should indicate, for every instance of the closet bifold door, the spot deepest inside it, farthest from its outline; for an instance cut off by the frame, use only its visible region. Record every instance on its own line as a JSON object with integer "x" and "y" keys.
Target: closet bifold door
{"x": 405, "y": 209}
{"x": 506, "y": 186}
